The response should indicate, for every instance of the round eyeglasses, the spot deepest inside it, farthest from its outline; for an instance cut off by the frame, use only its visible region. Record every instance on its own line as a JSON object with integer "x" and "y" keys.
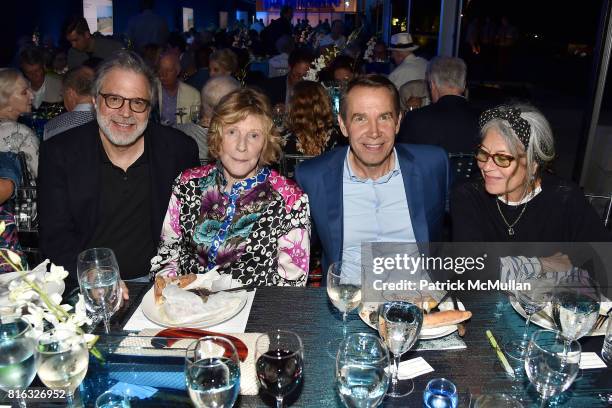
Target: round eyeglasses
{"x": 137, "y": 105}
{"x": 500, "y": 160}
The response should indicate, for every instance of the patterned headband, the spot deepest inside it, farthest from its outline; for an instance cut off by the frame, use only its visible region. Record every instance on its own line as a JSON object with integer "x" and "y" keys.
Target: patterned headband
{"x": 513, "y": 115}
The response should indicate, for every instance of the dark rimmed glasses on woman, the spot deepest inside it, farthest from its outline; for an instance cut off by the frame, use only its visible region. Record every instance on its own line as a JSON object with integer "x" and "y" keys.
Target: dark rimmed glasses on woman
{"x": 500, "y": 160}
{"x": 137, "y": 105}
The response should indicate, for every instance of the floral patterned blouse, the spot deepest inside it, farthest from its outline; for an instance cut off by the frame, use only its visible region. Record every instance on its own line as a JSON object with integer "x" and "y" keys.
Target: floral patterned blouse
{"x": 259, "y": 231}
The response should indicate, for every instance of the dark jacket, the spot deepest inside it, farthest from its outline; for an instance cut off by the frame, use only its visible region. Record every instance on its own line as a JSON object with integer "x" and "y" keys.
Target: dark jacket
{"x": 425, "y": 176}
{"x": 276, "y": 89}
{"x": 450, "y": 123}
{"x": 68, "y": 185}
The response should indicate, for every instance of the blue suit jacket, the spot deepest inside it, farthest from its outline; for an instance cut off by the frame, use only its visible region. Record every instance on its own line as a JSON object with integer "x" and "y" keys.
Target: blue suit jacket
{"x": 425, "y": 175}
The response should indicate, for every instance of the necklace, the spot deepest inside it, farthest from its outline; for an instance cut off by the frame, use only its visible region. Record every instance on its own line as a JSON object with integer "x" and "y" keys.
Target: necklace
{"x": 510, "y": 226}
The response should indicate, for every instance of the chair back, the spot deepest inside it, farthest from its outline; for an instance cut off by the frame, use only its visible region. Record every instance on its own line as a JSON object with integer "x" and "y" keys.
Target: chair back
{"x": 603, "y": 206}
{"x": 288, "y": 162}
{"x": 463, "y": 166}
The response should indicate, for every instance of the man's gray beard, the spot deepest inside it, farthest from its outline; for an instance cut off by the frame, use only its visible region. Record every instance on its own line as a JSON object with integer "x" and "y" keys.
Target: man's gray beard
{"x": 121, "y": 140}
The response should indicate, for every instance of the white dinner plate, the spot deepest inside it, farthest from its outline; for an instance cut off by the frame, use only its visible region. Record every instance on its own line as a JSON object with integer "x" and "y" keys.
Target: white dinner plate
{"x": 365, "y": 309}
{"x": 541, "y": 319}
{"x": 154, "y": 313}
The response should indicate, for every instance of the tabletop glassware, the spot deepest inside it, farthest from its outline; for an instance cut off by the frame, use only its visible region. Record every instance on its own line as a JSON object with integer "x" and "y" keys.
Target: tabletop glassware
{"x": 194, "y": 113}
{"x": 62, "y": 361}
{"x": 399, "y": 325}
{"x": 99, "y": 280}
{"x": 440, "y": 393}
{"x": 25, "y": 208}
{"x": 212, "y": 372}
{"x": 551, "y": 363}
{"x": 279, "y": 363}
{"x": 575, "y": 306}
{"x": 344, "y": 291}
{"x": 534, "y": 295}
{"x": 361, "y": 370}
{"x": 17, "y": 355}
{"x": 497, "y": 401}
{"x": 112, "y": 399}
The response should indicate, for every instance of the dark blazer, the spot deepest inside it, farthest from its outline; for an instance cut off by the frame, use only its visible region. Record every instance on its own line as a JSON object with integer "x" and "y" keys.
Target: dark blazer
{"x": 425, "y": 175}
{"x": 450, "y": 123}
{"x": 276, "y": 89}
{"x": 68, "y": 185}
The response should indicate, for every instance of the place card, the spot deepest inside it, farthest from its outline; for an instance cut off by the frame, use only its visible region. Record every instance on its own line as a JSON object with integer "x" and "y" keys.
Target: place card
{"x": 412, "y": 368}
{"x": 591, "y": 360}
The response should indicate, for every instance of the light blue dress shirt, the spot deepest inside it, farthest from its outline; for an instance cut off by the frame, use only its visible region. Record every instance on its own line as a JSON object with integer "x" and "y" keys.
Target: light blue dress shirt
{"x": 374, "y": 210}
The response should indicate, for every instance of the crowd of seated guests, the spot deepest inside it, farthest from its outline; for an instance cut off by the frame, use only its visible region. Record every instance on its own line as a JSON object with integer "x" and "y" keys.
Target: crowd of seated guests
{"x": 169, "y": 150}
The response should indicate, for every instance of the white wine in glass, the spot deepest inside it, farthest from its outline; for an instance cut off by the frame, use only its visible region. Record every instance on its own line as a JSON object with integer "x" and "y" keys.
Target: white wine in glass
{"x": 63, "y": 359}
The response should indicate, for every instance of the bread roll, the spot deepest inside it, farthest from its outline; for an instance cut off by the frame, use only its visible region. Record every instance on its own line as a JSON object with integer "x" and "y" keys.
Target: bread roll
{"x": 158, "y": 288}
{"x": 162, "y": 281}
{"x": 445, "y": 318}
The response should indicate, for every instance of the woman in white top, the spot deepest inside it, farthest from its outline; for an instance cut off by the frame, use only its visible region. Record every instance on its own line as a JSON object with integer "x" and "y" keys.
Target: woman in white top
{"x": 16, "y": 99}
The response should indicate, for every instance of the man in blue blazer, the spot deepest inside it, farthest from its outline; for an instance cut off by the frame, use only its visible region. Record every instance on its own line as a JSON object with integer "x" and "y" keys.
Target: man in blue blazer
{"x": 374, "y": 190}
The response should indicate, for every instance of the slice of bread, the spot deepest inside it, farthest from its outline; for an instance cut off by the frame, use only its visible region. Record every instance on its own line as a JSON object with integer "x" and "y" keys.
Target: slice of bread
{"x": 162, "y": 281}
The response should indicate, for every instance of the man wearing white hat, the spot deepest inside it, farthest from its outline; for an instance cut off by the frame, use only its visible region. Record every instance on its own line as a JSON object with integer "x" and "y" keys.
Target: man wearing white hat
{"x": 408, "y": 66}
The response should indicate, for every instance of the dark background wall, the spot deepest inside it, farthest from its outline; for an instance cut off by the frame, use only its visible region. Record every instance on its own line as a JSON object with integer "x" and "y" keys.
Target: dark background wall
{"x": 21, "y": 17}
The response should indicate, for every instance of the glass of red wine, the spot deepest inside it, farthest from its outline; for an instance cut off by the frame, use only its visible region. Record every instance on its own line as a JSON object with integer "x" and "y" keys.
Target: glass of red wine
{"x": 279, "y": 355}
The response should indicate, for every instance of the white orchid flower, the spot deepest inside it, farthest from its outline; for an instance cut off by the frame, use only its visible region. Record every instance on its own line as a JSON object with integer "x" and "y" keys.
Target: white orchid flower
{"x": 16, "y": 259}
{"x": 56, "y": 274}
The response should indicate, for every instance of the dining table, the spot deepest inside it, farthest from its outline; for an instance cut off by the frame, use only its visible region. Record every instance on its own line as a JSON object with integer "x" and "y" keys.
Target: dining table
{"x": 474, "y": 369}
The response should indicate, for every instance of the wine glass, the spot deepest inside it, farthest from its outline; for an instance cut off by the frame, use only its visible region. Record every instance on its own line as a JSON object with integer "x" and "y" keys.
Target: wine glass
{"x": 279, "y": 363}
{"x": 575, "y": 305}
{"x": 62, "y": 361}
{"x": 534, "y": 294}
{"x": 344, "y": 291}
{"x": 278, "y": 115}
{"x": 551, "y": 363}
{"x": 361, "y": 370}
{"x": 194, "y": 113}
{"x": 399, "y": 325}
{"x": 98, "y": 274}
{"x": 212, "y": 372}
{"x": 17, "y": 355}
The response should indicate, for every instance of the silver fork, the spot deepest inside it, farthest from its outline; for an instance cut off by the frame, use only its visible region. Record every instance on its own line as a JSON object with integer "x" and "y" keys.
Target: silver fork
{"x": 601, "y": 319}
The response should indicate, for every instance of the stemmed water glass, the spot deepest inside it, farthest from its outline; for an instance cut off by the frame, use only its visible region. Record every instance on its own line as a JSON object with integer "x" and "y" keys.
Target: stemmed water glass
{"x": 399, "y": 325}
{"x": 551, "y": 363}
{"x": 62, "y": 361}
{"x": 212, "y": 372}
{"x": 576, "y": 303}
{"x": 534, "y": 295}
{"x": 361, "y": 370}
{"x": 98, "y": 274}
{"x": 17, "y": 355}
{"x": 194, "y": 113}
{"x": 344, "y": 291}
{"x": 279, "y": 363}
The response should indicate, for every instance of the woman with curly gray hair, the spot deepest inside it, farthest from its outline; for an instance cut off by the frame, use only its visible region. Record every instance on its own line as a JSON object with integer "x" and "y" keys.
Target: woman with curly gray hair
{"x": 518, "y": 198}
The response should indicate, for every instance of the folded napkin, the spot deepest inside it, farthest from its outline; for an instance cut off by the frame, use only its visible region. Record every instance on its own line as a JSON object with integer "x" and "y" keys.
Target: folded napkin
{"x": 450, "y": 342}
{"x": 411, "y": 368}
{"x": 182, "y": 307}
{"x": 140, "y": 344}
{"x": 213, "y": 280}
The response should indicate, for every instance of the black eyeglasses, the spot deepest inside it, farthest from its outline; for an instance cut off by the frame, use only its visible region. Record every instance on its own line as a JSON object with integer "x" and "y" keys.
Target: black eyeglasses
{"x": 137, "y": 105}
{"x": 500, "y": 160}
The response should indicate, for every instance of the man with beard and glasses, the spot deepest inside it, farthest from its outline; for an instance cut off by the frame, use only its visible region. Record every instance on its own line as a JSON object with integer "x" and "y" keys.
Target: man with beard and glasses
{"x": 107, "y": 183}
